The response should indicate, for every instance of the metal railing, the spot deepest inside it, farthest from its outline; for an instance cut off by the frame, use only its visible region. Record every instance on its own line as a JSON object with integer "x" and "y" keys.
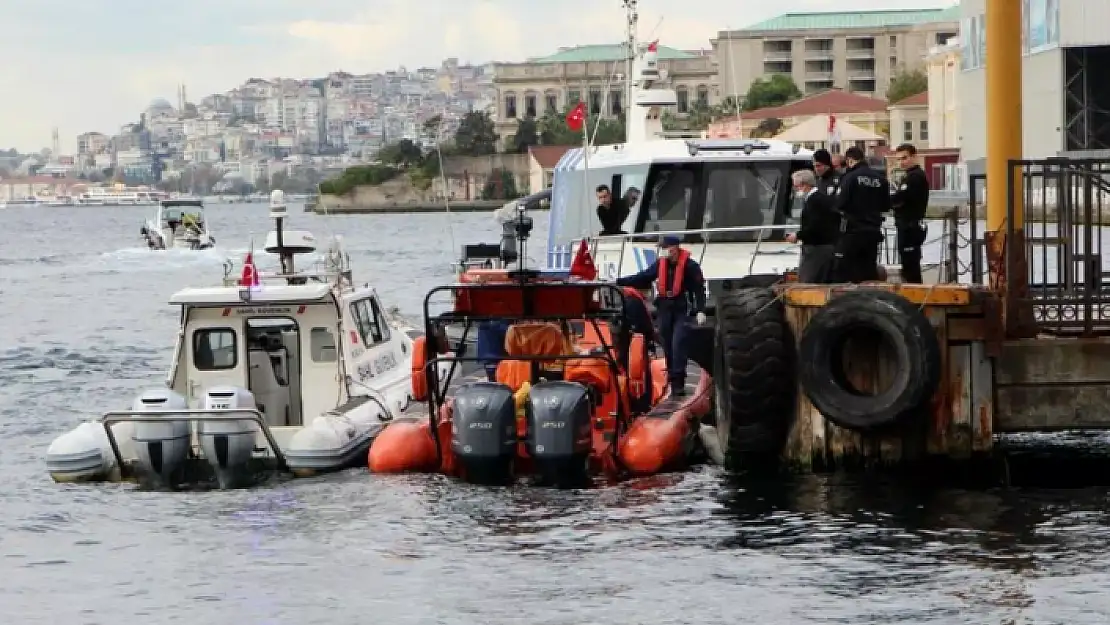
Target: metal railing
{"x": 194, "y": 416}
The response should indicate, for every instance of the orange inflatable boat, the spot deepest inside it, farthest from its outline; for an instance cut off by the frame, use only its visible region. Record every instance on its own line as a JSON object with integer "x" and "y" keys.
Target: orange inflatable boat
{"x": 565, "y": 405}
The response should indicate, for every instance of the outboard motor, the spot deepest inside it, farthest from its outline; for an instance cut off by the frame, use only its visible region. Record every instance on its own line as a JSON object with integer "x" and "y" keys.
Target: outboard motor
{"x": 559, "y": 434}
{"x": 483, "y": 436}
{"x": 228, "y": 445}
{"x": 164, "y": 446}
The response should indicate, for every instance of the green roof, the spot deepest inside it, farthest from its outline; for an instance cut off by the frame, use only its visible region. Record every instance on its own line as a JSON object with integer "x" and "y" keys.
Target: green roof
{"x": 606, "y": 52}
{"x": 857, "y": 19}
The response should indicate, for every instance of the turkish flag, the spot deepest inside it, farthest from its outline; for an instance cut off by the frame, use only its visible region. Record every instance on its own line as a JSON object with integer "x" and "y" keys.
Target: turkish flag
{"x": 249, "y": 277}
{"x": 653, "y": 46}
{"x": 583, "y": 265}
{"x": 576, "y": 118}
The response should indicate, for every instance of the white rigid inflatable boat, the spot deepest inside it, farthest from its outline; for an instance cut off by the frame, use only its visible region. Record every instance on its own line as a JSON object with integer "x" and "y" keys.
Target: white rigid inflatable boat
{"x": 292, "y": 371}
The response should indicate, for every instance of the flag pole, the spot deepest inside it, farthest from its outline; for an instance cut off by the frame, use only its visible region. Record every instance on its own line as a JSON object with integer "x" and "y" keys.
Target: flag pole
{"x": 586, "y": 157}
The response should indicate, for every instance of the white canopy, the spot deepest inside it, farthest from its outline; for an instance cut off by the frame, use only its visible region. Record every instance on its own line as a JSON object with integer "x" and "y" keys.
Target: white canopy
{"x": 816, "y": 130}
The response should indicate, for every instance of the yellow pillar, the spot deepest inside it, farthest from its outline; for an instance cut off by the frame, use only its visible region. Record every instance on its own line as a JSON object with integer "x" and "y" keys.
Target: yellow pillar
{"x": 1004, "y": 118}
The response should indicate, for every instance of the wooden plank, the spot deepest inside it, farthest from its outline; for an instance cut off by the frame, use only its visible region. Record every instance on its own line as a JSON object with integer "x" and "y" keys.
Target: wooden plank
{"x": 939, "y": 414}
{"x": 958, "y": 433}
{"x": 1053, "y": 361}
{"x": 982, "y": 398}
{"x": 965, "y": 328}
{"x": 800, "y": 450}
{"x": 817, "y": 295}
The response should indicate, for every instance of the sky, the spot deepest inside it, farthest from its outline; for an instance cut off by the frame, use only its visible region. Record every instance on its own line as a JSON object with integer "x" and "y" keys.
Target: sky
{"x": 92, "y": 65}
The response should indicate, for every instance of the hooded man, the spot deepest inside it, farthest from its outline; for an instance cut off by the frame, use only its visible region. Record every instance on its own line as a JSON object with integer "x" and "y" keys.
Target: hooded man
{"x": 680, "y": 298}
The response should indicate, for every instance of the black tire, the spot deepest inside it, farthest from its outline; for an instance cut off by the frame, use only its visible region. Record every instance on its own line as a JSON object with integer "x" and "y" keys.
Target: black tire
{"x": 754, "y": 378}
{"x": 869, "y": 315}
{"x": 761, "y": 280}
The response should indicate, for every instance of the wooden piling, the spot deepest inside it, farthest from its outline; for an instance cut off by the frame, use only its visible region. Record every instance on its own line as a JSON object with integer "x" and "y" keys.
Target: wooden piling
{"x": 958, "y": 421}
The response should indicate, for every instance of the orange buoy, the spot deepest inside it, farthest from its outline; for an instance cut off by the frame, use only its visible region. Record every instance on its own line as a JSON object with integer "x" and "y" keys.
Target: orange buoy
{"x": 658, "y": 380}
{"x": 419, "y": 375}
{"x": 403, "y": 446}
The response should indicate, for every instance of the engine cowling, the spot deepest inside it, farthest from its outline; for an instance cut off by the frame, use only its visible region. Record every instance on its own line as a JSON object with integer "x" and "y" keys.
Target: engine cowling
{"x": 228, "y": 445}
{"x": 161, "y": 446}
{"x": 559, "y": 436}
{"x": 483, "y": 432}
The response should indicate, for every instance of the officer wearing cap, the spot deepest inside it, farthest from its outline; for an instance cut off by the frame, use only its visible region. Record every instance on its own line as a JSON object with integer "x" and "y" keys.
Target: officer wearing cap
{"x": 861, "y": 199}
{"x": 680, "y": 296}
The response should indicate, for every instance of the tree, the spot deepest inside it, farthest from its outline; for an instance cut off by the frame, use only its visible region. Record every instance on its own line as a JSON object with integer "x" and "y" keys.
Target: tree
{"x": 527, "y": 135}
{"x": 404, "y": 153}
{"x": 767, "y": 128}
{"x": 905, "y": 84}
{"x": 553, "y": 130}
{"x": 431, "y": 126}
{"x": 476, "y": 136}
{"x": 775, "y": 90}
{"x": 500, "y": 186}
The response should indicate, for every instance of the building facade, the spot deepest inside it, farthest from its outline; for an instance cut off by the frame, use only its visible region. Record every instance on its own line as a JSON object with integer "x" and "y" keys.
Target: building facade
{"x": 942, "y": 65}
{"x": 595, "y": 75}
{"x": 909, "y": 122}
{"x": 1065, "y": 101}
{"x": 856, "y": 51}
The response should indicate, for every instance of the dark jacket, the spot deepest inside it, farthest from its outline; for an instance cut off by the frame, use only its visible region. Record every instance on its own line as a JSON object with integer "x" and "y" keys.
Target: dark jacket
{"x": 490, "y": 344}
{"x": 911, "y": 198}
{"x": 862, "y": 198}
{"x": 819, "y": 223}
{"x": 638, "y": 318}
{"x": 612, "y": 218}
{"x": 828, "y": 182}
{"x": 692, "y": 298}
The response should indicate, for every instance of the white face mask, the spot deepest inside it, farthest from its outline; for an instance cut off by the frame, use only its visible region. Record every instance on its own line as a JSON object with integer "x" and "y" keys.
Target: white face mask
{"x": 800, "y": 194}
{"x": 665, "y": 252}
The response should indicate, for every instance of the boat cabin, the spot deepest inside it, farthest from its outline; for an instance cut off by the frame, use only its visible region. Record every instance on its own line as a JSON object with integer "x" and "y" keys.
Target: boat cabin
{"x": 174, "y": 213}
{"x": 301, "y": 349}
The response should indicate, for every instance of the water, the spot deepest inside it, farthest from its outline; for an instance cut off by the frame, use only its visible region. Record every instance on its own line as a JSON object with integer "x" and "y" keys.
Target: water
{"x": 86, "y": 326}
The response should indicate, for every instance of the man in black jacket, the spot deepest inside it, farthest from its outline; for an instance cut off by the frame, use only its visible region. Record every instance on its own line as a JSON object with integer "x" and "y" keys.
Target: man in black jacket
{"x": 827, "y": 176}
{"x": 861, "y": 199}
{"x": 910, "y": 201}
{"x": 820, "y": 228}
{"x": 610, "y": 211}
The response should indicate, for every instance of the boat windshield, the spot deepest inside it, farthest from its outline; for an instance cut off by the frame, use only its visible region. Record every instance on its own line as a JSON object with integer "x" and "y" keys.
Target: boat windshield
{"x": 178, "y": 213}
{"x": 743, "y": 194}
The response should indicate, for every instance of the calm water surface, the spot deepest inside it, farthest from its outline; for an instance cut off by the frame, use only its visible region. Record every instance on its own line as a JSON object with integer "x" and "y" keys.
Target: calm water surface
{"x": 86, "y": 326}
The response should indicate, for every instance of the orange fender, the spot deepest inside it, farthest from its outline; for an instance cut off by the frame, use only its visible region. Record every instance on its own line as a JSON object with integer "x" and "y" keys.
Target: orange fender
{"x": 653, "y": 444}
{"x": 402, "y": 447}
{"x": 658, "y": 379}
{"x": 637, "y": 367}
{"x": 419, "y": 375}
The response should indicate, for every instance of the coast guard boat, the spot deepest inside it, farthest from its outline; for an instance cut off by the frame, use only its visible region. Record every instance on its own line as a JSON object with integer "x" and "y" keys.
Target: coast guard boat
{"x": 178, "y": 224}
{"x": 293, "y": 371}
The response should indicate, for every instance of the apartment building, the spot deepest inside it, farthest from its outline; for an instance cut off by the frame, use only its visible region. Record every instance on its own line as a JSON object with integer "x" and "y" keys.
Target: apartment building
{"x": 855, "y": 51}
{"x": 592, "y": 74}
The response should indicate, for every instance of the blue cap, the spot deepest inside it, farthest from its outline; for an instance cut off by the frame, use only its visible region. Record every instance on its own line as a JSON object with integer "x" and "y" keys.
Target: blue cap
{"x": 670, "y": 240}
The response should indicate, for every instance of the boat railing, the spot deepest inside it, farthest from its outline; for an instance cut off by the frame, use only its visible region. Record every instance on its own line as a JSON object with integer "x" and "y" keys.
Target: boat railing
{"x": 193, "y": 415}
{"x": 706, "y": 239}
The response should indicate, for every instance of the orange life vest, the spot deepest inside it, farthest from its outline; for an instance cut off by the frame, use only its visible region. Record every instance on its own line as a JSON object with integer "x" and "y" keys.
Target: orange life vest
{"x": 663, "y": 281}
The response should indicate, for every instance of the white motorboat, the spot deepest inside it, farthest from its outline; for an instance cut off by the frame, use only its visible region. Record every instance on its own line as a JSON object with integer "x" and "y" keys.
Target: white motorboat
{"x": 178, "y": 224}
{"x": 295, "y": 371}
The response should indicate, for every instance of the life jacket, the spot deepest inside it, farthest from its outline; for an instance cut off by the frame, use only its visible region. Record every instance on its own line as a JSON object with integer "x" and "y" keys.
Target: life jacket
{"x": 667, "y": 287}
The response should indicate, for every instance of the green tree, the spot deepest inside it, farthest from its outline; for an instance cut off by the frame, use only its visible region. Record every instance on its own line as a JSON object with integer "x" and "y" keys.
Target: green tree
{"x": 527, "y": 135}
{"x": 475, "y": 135}
{"x": 553, "y": 130}
{"x": 352, "y": 177}
{"x": 775, "y": 90}
{"x": 404, "y": 153}
{"x": 905, "y": 84}
{"x": 500, "y": 186}
{"x": 431, "y": 126}
{"x": 767, "y": 128}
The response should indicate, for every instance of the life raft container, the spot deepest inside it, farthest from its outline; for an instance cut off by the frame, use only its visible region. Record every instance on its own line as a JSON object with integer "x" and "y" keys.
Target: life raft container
{"x": 869, "y": 315}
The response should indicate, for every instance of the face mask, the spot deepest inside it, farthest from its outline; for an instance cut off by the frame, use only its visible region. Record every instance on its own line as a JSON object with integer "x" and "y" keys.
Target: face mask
{"x": 665, "y": 252}
{"x": 800, "y": 194}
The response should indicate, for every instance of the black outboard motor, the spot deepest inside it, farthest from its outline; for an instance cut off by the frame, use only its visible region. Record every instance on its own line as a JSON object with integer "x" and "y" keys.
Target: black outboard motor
{"x": 483, "y": 436}
{"x": 559, "y": 434}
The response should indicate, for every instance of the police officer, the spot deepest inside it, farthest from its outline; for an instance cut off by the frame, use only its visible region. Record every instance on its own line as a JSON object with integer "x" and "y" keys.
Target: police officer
{"x": 909, "y": 202}
{"x": 861, "y": 199}
{"x": 827, "y": 176}
{"x": 680, "y": 295}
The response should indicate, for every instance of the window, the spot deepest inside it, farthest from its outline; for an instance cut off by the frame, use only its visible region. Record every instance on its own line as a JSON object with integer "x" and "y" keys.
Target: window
{"x": 552, "y": 103}
{"x": 595, "y": 102}
{"x": 893, "y": 41}
{"x": 907, "y": 131}
{"x": 672, "y": 192}
{"x": 893, "y": 62}
{"x": 215, "y": 349}
{"x": 683, "y": 100}
{"x": 923, "y": 134}
{"x": 703, "y": 96}
{"x": 574, "y": 96}
{"x": 510, "y": 106}
{"x": 321, "y": 344}
{"x": 371, "y": 323}
{"x": 615, "y": 108}
{"x": 530, "y": 105}
{"x": 742, "y": 194}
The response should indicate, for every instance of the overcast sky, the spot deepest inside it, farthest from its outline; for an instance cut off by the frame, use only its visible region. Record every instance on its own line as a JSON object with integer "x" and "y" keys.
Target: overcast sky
{"x": 84, "y": 65}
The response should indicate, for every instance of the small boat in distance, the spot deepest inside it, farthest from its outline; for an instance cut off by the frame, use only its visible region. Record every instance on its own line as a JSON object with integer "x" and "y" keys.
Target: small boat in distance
{"x": 295, "y": 371}
{"x": 178, "y": 224}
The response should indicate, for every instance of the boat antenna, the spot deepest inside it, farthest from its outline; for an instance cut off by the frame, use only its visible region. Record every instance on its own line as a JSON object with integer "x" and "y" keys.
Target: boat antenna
{"x": 278, "y": 212}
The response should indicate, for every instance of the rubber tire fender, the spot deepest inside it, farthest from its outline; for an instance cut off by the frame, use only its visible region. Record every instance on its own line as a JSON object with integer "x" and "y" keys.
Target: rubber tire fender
{"x": 903, "y": 326}
{"x": 754, "y": 382}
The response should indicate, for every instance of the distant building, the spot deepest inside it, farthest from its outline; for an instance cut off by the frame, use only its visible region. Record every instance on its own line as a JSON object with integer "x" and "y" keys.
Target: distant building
{"x": 865, "y": 112}
{"x": 909, "y": 121}
{"x": 857, "y": 51}
{"x": 590, "y": 74}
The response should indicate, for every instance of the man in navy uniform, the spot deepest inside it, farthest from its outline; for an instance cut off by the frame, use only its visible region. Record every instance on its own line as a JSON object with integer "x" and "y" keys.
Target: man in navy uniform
{"x": 680, "y": 296}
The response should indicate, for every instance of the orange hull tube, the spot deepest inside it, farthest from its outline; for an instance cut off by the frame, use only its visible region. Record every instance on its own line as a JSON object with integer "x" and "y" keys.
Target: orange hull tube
{"x": 657, "y": 442}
